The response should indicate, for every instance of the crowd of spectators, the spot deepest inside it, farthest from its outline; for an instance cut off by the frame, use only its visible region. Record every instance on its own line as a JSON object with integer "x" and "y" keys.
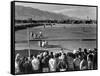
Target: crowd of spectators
{"x": 81, "y": 59}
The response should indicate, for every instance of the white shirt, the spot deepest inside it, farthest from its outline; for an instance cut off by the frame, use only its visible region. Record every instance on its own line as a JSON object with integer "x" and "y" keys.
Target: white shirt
{"x": 16, "y": 67}
{"x": 52, "y": 64}
{"x": 35, "y": 64}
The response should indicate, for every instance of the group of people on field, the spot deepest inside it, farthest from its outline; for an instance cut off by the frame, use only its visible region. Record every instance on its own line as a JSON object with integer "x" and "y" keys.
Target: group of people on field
{"x": 36, "y": 35}
{"x": 56, "y": 62}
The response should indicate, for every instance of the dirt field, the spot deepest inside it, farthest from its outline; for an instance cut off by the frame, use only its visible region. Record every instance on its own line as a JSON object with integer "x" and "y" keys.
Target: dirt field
{"x": 68, "y": 36}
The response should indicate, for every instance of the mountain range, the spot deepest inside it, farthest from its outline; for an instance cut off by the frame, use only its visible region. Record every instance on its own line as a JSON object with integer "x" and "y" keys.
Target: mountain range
{"x": 22, "y": 12}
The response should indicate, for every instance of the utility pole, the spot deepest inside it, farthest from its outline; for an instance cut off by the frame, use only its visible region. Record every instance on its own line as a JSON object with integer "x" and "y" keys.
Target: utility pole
{"x": 28, "y": 41}
{"x": 28, "y": 38}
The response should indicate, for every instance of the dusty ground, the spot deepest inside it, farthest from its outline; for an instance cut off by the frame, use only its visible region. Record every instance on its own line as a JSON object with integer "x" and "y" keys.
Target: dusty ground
{"x": 68, "y": 36}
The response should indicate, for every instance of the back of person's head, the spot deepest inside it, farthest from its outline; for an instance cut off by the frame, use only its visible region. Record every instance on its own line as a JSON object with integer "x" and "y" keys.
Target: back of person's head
{"x": 76, "y": 55}
{"x": 26, "y": 59}
{"x": 31, "y": 56}
{"x": 70, "y": 54}
{"x": 65, "y": 56}
{"x": 47, "y": 52}
{"x": 95, "y": 49}
{"x": 80, "y": 49}
{"x": 51, "y": 53}
{"x": 85, "y": 51}
{"x": 56, "y": 55}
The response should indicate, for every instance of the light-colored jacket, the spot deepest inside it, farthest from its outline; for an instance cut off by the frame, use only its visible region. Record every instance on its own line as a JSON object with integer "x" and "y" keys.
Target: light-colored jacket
{"x": 35, "y": 64}
{"x": 52, "y": 64}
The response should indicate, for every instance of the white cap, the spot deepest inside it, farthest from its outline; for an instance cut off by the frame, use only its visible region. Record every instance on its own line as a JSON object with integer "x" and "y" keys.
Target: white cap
{"x": 74, "y": 51}
{"x": 89, "y": 49}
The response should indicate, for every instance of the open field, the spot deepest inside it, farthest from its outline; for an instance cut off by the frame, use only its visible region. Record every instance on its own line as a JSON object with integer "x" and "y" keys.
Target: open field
{"x": 68, "y": 36}
{"x": 61, "y": 31}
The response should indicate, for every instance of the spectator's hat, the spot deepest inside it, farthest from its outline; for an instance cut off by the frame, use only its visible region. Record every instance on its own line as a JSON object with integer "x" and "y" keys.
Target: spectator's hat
{"x": 74, "y": 51}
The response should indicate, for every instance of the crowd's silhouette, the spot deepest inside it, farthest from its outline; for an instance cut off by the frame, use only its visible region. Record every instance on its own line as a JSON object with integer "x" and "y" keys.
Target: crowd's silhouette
{"x": 56, "y": 62}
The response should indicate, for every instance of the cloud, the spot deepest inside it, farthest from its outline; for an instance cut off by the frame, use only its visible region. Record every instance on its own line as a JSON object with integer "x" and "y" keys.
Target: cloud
{"x": 63, "y": 10}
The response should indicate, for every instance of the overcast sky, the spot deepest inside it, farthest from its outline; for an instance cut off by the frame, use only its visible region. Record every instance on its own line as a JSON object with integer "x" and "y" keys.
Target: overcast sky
{"x": 73, "y": 11}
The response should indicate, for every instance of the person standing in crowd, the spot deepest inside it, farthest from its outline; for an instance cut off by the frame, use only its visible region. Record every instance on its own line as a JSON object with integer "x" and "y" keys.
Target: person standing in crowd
{"x": 90, "y": 61}
{"x": 84, "y": 63}
{"x": 35, "y": 64}
{"x": 81, "y": 53}
{"x": 40, "y": 34}
{"x": 27, "y": 66}
{"x": 22, "y": 61}
{"x": 95, "y": 59}
{"x": 80, "y": 49}
{"x": 45, "y": 62}
{"x": 62, "y": 66}
{"x": 76, "y": 62}
{"x": 40, "y": 56}
{"x": 31, "y": 35}
{"x": 85, "y": 52}
{"x": 17, "y": 61}
{"x": 52, "y": 63}
{"x": 55, "y": 62}
{"x": 70, "y": 58}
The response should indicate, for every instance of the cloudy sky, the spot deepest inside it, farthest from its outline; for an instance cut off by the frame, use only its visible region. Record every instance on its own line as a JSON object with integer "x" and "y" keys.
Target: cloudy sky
{"x": 73, "y": 11}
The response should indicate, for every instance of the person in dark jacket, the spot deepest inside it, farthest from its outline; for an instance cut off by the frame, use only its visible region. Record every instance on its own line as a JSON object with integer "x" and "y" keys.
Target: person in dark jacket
{"x": 27, "y": 66}
{"x": 45, "y": 62}
{"x": 62, "y": 65}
